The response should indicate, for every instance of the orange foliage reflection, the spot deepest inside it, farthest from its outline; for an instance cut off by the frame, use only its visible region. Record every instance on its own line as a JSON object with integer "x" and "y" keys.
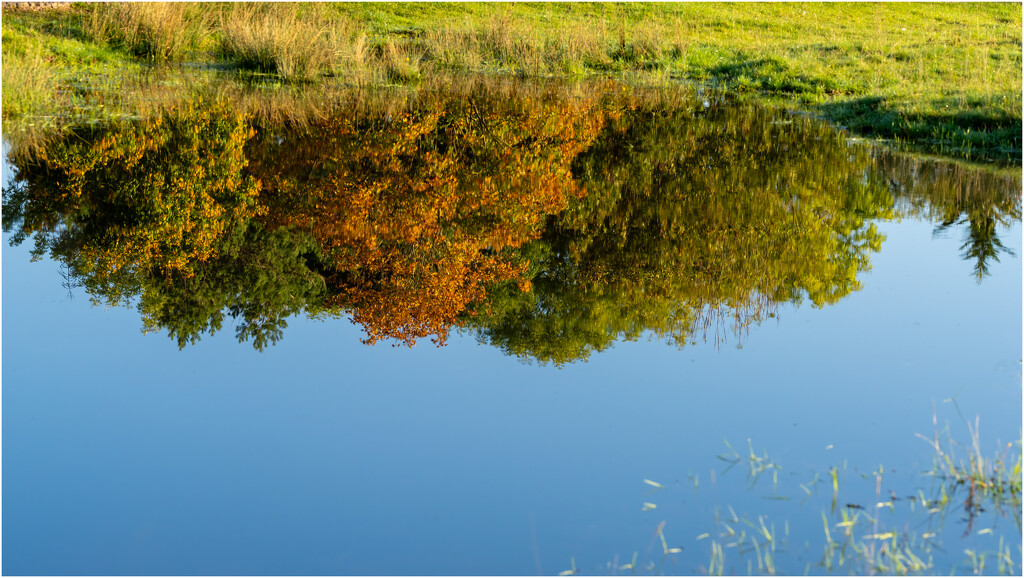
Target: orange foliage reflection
{"x": 418, "y": 208}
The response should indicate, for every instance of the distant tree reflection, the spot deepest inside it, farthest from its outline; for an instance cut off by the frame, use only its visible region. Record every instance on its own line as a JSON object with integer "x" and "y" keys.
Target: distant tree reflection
{"x": 954, "y": 195}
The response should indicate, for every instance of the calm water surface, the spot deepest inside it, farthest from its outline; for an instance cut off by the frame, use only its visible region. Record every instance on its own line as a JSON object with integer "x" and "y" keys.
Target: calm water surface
{"x": 454, "y": 332}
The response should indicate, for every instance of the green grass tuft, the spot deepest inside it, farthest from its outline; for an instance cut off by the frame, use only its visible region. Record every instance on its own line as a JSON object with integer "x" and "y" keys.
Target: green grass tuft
{"x": 30, "y": 86}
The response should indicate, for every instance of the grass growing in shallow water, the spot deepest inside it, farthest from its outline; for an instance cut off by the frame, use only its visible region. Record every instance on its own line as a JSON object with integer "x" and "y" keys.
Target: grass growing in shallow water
{"x": 988, "y": 482}
{"x": 953, "y": 526}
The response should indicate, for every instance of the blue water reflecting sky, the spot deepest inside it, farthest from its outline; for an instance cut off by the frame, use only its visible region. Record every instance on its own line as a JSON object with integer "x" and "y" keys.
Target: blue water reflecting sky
{"x": 124, "y": 455}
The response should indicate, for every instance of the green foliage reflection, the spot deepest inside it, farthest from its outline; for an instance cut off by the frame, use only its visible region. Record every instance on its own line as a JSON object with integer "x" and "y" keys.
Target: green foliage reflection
{"x": 954, "y": 195}
{"x": 551, "y": 221}
{"x": 699, "y": 215}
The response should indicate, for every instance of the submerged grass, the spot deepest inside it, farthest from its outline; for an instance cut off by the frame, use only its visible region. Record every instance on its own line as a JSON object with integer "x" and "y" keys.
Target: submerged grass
{"x": 989, "y": 482}
{"x": 866, "y": 538}
{"x": 941, "y": 78}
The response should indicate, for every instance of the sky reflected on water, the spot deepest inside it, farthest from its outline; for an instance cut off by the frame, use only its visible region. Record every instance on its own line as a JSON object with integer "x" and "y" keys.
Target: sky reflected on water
{"x": 321, "y": 455}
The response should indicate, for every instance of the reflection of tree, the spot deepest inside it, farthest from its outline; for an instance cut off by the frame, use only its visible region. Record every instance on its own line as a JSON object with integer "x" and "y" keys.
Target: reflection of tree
{"x": 418, "y": 209}
{"x": 551, "y": 224}
{"x": 160, "y": 211}
{"x": 260, "y": 281}
{"x": 983, "y": 245}
{"x": 954, "y": 195}
{"x": 401, "y": 214}
{"x": 696, "y": 219}
{"x": 157, "y": 196}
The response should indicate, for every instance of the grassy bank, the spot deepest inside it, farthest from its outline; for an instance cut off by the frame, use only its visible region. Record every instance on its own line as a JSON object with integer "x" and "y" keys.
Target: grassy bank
{"x": 939, "y": 78}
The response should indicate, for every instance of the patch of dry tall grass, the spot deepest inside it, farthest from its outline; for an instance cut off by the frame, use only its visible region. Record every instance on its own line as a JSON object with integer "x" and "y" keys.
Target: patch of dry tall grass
{"x": 271, "y": 39}
{"x": 400, "y": 62}
{"x": 578, "y": 49}
{"x": 453, "y": 47}
{"x": 160, "y": 31}
{"x": 508, "y": 43}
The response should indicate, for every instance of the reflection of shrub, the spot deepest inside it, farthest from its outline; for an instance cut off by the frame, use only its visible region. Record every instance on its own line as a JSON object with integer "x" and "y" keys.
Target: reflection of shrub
{"x": 399, "y": 211}
{"x": 419, "y": 208}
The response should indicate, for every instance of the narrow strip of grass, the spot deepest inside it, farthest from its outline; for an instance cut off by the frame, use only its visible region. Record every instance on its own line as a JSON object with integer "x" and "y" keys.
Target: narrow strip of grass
{"x": 938, "y": 78}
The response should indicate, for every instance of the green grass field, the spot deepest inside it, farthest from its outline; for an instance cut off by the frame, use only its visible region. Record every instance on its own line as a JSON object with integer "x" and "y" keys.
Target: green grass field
{"x": 937, "y": 78}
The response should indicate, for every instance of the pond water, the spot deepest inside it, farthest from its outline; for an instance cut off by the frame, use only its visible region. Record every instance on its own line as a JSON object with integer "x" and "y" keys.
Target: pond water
{"x": 498, "y": 328}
